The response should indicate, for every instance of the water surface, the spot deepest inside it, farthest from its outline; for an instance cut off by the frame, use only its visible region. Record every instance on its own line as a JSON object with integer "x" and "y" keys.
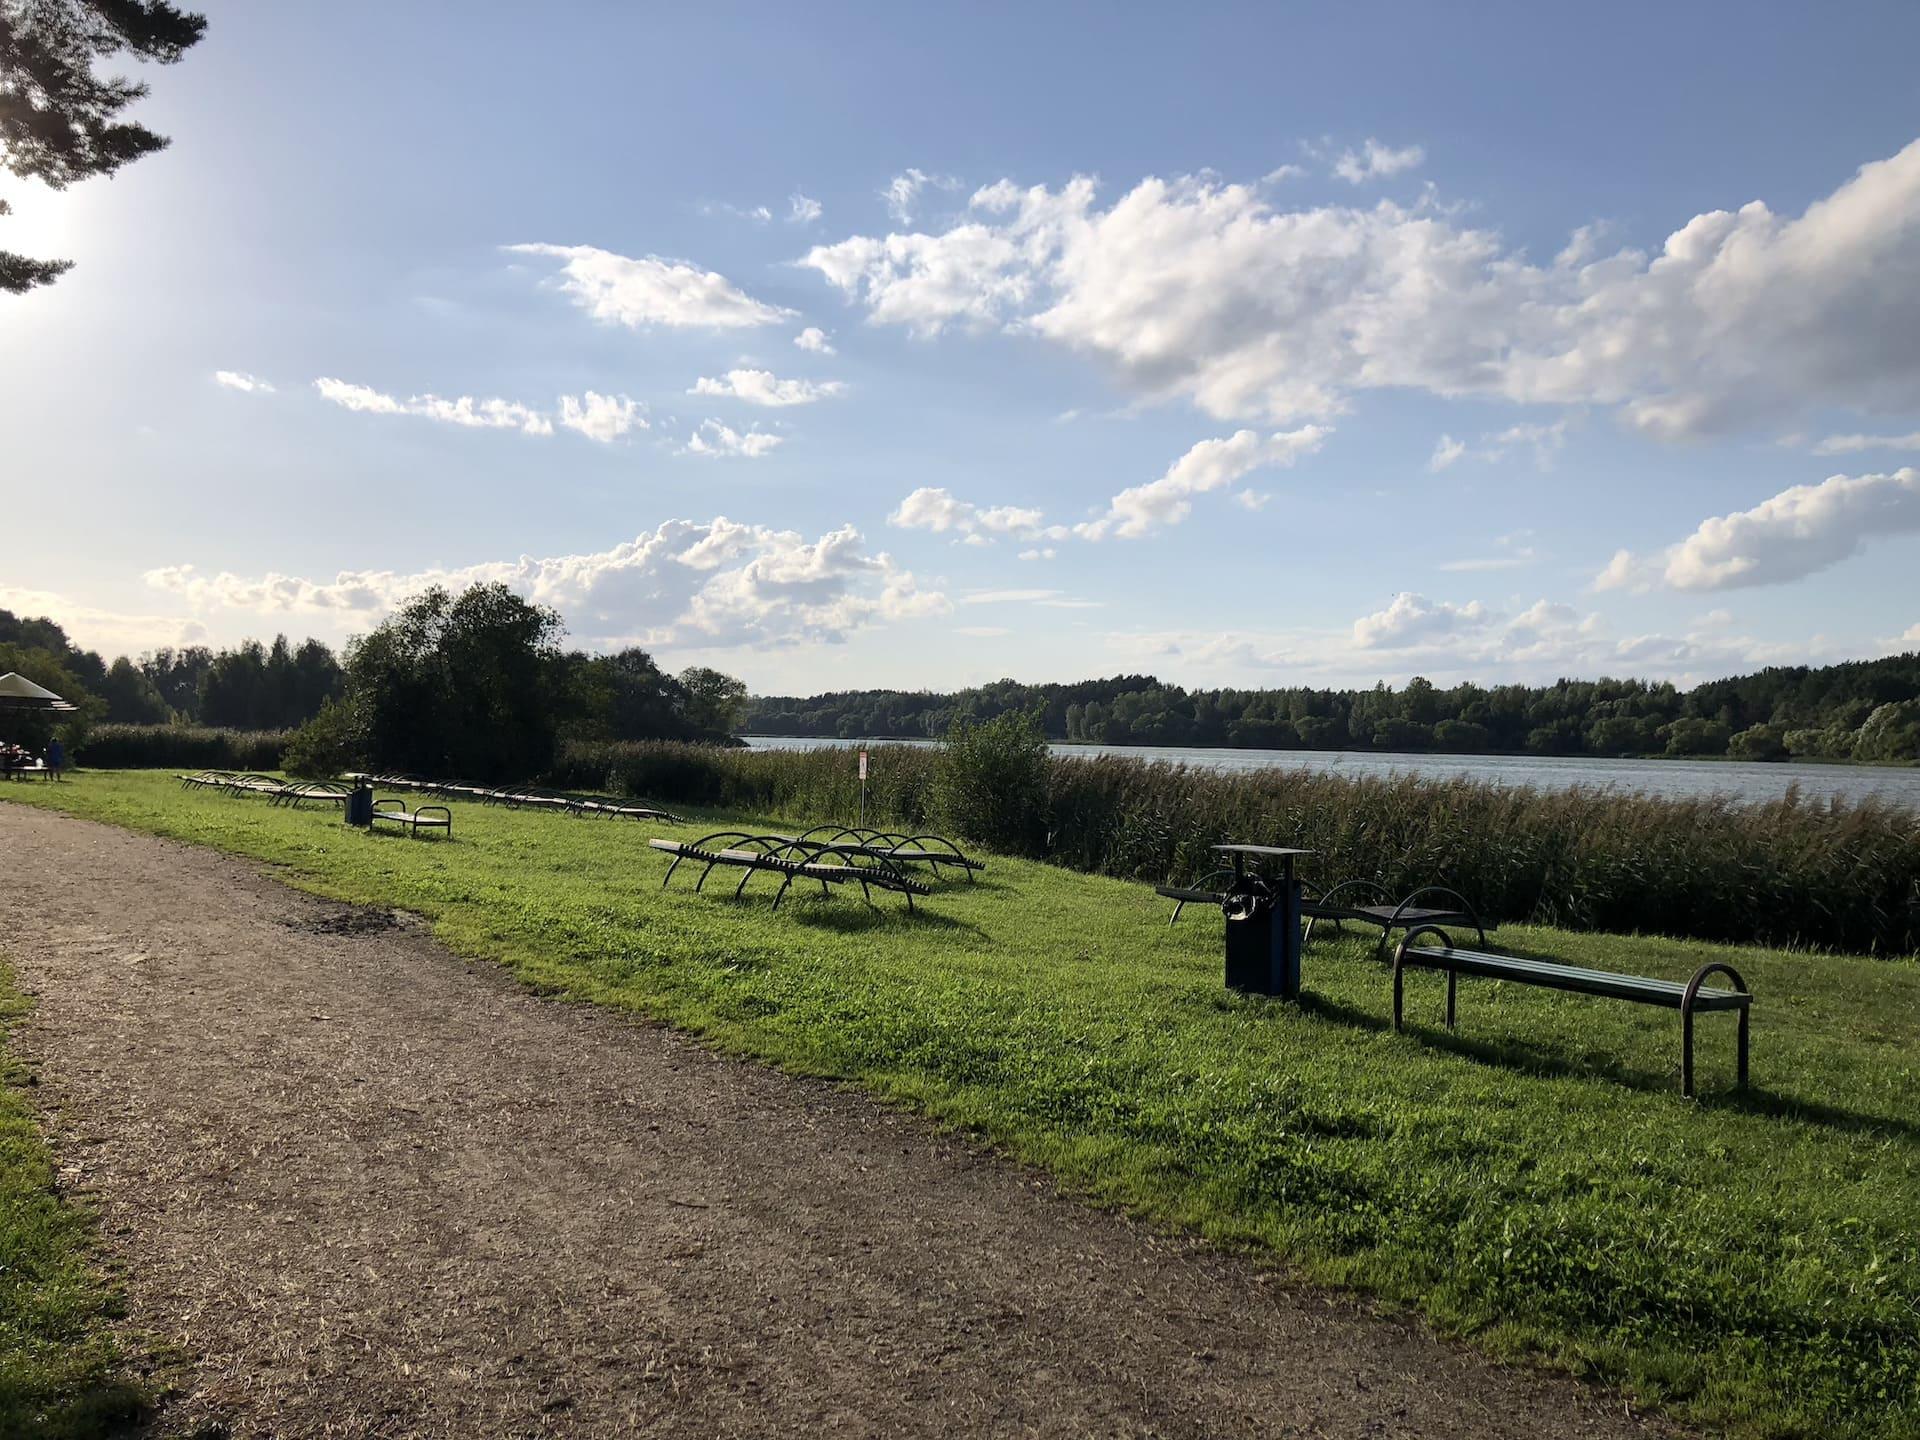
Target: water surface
{"x": 1744, "y": 780}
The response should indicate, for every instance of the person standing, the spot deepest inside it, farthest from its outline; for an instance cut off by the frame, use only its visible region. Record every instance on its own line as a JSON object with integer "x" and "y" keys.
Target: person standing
{"x": 56, "y": 758}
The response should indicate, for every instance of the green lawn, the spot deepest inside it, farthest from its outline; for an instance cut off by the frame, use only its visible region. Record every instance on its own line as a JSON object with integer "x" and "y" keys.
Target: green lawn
{"x": 1535, "y": 1183}
{"x": 58, "y": 1365}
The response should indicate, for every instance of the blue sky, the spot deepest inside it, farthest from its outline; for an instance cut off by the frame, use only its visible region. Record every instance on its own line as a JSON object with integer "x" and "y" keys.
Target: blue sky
{"x": 882, "y": 346}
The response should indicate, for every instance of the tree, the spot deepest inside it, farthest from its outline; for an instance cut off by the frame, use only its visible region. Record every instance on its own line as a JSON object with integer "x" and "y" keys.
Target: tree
{"x": 130, "y": 696}
{"x": 714, "y": 701}
{"x": 467, "y": 685}
{"x": 60, "y": 122}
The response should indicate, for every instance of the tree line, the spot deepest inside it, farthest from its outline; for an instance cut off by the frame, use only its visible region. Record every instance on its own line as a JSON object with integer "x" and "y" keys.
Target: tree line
{"x": 1859, "y": 710}
{"x": 476, "y": 684}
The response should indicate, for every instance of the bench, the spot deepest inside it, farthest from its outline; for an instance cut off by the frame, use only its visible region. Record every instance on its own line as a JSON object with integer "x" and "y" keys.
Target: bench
{"x": 414, "y": 820}
{"x": 1689, "y": 998}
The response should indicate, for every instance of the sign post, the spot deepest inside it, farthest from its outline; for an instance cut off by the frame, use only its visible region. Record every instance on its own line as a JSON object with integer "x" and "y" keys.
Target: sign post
{"x": 863, "y": 788}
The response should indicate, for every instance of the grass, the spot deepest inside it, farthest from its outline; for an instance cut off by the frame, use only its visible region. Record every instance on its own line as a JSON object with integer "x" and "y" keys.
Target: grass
{"x": 59, "y": 1366}
{"x": 1533, "y": 1182}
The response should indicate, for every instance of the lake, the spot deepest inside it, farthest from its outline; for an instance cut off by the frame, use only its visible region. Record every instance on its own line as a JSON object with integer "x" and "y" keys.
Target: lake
{"x": 1743, "y": 780}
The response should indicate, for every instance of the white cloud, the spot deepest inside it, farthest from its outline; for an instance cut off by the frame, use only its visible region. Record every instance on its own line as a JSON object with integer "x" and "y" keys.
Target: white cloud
{"x": 1281, "y": 173}
{"x": 716, "y": 584}
{"x": 108, "y": 631}
{"x": 1253, "y": 499}
{"x": 1200, "y": 290}
{"x": 1373, "y": 161}
{"x": 652, "y": 291}
{"x": 935, "y": 509}
{"x": 1446, "y": 451}
{"x": 1410, "y": 618}
{"x": 1854, "y": 444}
{"x": 465, "y": 410}
{"x": 756, "y": 214}
{"x": 763, "y": 387}
{"x": 601, "y": 417}
{"x": 715, "y": 440}
{"x": 1044, "y": 552}
{"x": 903, "y": 191}
{"x": 1795, "y": 533}
{"x": 242, "y": 381}
{"x": 1209, "y": 465}
{"x": 802, "y": 209}
{"x": 1008, "y": 597}
{"x": 815, "y": 339}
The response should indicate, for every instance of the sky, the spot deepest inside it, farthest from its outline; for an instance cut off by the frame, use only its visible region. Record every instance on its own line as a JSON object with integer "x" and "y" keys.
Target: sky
{"x": 886, "y": 346}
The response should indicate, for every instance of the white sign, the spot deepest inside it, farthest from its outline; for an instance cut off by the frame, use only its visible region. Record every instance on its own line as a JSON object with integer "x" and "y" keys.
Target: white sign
{"x": 863, "y": 764}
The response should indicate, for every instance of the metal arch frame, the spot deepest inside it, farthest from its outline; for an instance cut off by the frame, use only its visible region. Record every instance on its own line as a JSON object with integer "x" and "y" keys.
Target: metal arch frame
{"x": 293, "y": 796}
{"x": 1399, "y": 972}
{"x": 206, "y": 780}
{"x": 891, "y": 845}
{"x": 1466, "y": 910}
{"x": 792, "y": 859}
{"x": 1688, "y": 998}
{"x": 1325, "y": 899}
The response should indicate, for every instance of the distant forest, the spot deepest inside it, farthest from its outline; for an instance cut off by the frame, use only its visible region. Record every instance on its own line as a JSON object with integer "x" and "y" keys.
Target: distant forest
{"x": 1862, "y": 710}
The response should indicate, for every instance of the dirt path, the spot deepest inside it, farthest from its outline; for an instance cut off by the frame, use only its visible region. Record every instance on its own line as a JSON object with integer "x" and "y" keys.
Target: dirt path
{"x": 377, "y": 1190}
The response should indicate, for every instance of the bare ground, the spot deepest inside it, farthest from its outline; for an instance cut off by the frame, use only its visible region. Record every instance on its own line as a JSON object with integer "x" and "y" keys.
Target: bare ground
{"x": 372, "y": 1189}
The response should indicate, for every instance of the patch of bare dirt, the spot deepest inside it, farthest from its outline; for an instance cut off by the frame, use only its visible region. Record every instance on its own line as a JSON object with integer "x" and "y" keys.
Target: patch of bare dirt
{"x": 374, "y": 1190}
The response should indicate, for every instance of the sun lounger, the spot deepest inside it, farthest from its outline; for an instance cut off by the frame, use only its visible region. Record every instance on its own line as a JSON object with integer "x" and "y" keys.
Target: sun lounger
{"x": 791, "y": 860}
{"x": 929, "y": 850}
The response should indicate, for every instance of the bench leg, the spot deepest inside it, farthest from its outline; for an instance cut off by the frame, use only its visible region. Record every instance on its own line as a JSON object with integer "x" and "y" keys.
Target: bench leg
{"x": 1453, "y": 984}
{"x": 1686, "y": 1051}
{"x": 1743, "y": 1049}
{"x": 1399, "y": 991}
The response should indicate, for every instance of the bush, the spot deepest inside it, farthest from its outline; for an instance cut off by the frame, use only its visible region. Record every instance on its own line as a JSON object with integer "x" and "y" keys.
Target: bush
{"x": 332, "y": 742}
{"x": 181, "y": 747}
{"x": 1759, "y": 742}
{"x": 991, "y": 786}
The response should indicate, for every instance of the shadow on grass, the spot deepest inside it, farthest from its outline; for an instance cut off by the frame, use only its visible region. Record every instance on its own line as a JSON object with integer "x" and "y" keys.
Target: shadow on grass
{"x": 101, "y": 1411}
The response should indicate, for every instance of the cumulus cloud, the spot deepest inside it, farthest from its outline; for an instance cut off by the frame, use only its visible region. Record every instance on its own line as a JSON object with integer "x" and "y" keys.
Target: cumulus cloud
{"x": 465, "y": 410}
{"x": 1201, "y": 290}
{"x": 713, "y": 584}
{"x": 242, "y": 381}
{"x": 1854, "y": 444}
{"x": 935, "y": 509}
{"x": 802, "y": 209}
{"x": 717, "y": 441}
{"x": 1209, "y": 465}
{"x": 620, "y": 289}
{"x": 1374, "y": 161}
{"x": 763, "y": 387}
{"x": 602, "y": 417}
{"x": 815, "y": 339}
{"x": 1410, "y": 618}
{"x": 1795, "y": 533}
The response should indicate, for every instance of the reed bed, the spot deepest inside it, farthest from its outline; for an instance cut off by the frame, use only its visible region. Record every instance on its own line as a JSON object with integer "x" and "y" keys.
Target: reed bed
{"x": 182, "y": 747}
{"x": 1800, "y": 872}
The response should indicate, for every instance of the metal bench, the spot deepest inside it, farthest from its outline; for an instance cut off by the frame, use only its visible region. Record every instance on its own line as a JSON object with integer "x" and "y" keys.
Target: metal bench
{"x": 310, "y": 792}
{"x": 414, "y": 820}
{"x": 1689, "y": 998}
{"x": 791, "y": 860}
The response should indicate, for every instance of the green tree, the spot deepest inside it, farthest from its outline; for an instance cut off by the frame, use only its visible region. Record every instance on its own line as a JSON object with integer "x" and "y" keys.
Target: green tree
{"x": 130, "y": 696}
{"x": 59, "y": 121}
{"x": 1759, "y": 742}
{"x": 714, "y": 702}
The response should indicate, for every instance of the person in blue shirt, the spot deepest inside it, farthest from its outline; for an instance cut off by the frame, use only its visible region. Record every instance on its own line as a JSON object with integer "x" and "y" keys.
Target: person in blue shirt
{"x": 56, "y": 758}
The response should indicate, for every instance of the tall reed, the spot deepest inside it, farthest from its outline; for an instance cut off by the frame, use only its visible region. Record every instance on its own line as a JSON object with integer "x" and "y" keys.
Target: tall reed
{"x": 1818, "y": 873}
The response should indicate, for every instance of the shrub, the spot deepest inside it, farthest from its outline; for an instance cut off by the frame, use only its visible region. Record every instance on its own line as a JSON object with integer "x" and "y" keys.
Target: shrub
{"x": 181, "y": 747}
{"x": 1759, "y": 742}
{"x": 991, "y": 786}
{"x": 326, "y": 745}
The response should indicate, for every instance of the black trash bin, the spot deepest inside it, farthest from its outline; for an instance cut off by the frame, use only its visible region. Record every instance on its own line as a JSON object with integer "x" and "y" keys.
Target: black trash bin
{"x": 360, "y": 806}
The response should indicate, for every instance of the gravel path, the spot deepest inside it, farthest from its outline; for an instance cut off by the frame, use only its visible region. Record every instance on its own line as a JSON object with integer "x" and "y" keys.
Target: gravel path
{"x": 376, "y": 1190}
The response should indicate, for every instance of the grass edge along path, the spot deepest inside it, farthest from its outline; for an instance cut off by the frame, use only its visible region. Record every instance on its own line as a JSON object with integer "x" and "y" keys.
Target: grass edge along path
{"x": 60, "y": 1363}
{"x": 1534, "y": 1184}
